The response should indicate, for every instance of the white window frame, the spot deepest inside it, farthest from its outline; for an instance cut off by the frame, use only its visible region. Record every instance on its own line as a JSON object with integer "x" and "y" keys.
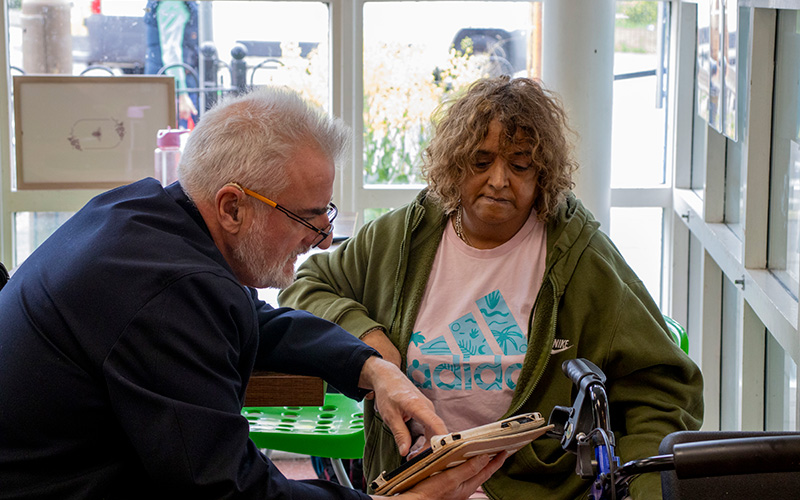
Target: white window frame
{"x": 736, "y": 254}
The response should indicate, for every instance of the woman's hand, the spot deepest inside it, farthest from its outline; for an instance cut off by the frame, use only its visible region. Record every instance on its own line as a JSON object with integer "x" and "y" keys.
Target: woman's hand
{"x": 378, "y": 340}
{"x": 457, "y": 483}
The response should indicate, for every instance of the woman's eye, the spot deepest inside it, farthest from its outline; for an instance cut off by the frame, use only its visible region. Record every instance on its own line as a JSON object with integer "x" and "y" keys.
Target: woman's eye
{"x": 519, "y": 167}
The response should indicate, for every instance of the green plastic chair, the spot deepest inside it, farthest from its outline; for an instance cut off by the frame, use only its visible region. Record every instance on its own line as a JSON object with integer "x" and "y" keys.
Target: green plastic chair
{"x": 334, "y": 430}
{"x": 4, "y": 276}
{"x": 679, "y": 332}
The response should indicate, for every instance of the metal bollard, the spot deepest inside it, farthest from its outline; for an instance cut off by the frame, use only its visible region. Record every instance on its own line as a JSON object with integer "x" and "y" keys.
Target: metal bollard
{"x": 208, "y": 51}
{"x": 239, "y": 68}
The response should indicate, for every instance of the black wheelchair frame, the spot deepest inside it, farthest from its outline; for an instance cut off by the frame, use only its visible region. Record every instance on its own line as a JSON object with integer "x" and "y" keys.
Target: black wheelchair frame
{"x": 765, "y": 462}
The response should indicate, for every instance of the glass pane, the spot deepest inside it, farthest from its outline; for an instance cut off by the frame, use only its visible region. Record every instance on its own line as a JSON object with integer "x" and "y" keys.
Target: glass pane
{"x": 245, "y": 43}
{"x": 780, "y": 403}
{"x": 731, "y": 79}
{"x": 735, "y": 110}
{"x": 287, "y": 43}
{"x": 374, "y": 213}
{"x": 415, "y": 53}
{"x": 32, "y": 228}
{"x": 638, "y": 126}
{"x": 730, "y": 373}
{"x": 700, "y": 106}
{"x": 699, "y": 152}
{"x": 784, "y": 214}
{"x": 793, "y": 214}
{"x": 637, "y": 232}
{"x": 734, "y": 185}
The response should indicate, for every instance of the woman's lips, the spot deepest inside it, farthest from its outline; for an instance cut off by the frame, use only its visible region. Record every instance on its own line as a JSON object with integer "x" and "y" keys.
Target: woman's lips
{"x": 493, "y": 199}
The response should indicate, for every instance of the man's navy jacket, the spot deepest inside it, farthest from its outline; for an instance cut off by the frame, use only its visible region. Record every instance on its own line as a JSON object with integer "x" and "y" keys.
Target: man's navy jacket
{"x": 126, "y": 344}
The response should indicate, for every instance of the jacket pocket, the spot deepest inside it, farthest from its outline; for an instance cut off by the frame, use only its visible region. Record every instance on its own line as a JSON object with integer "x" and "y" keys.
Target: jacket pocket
{"x": 380, "y": 453}
{"x": 543, "y": 456}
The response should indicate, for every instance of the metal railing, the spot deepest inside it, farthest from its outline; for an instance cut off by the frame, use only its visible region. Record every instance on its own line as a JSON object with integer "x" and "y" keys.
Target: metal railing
{"x": 211, "y": 75}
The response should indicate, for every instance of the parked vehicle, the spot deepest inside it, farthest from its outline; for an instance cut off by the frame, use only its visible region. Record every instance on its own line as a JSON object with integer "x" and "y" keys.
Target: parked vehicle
{"x": 506, "y": 49}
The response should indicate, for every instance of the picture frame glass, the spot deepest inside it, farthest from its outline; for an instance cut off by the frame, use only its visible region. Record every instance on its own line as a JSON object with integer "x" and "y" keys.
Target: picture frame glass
{"x": 77, "y": 132}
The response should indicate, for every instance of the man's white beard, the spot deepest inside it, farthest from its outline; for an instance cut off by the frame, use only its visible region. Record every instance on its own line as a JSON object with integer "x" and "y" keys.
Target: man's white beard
{"x": 260, "y": 261}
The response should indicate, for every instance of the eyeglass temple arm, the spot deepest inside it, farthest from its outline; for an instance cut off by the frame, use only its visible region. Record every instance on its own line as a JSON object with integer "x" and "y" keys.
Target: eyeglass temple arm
{"x": 259, "y": 197}
{"x": 253, "y": 194}
{"x": 271, "y": 203}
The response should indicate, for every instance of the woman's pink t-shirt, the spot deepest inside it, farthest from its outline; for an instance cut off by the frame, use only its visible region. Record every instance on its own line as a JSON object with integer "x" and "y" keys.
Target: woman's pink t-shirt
{"x": 470, "y": 336}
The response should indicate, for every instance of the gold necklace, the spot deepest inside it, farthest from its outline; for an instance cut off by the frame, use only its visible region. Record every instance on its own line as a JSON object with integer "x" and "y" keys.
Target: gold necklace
{"x": 459, "y": 228}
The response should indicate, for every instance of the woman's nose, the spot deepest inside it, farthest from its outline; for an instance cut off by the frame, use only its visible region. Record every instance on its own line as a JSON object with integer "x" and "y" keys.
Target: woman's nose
{"x": 498, "y": 174}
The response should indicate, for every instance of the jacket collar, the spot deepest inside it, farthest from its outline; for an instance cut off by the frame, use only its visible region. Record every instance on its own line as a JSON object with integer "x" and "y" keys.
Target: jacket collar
{"x": 175, "y": 190}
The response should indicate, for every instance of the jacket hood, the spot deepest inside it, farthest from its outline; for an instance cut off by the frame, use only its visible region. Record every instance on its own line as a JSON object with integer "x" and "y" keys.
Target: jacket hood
{"x": 568, "y": 236}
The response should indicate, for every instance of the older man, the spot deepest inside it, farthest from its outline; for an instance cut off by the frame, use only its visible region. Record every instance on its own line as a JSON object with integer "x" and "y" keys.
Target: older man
{"x": 128, "y": 337}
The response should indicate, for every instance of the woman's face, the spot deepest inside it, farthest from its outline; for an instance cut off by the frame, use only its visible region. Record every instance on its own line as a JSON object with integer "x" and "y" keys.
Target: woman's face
{"x": 497, "y": 198}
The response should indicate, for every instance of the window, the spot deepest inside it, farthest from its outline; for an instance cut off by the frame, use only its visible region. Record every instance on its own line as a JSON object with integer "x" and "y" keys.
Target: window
{"x": 415, "y": 55}
{"x": 784, "y": 215}
{"x": 744, "y": 268}
{"x": 781, "y": 389}
{"x": 32, "y": 228}
{"x": 735, "y": 112}
{"x": 639, "y": 135}
{"x": 730, "y": 368}
{"x": 637, "y": 232}
{"x": 227, "y": 46}
{"x": 699, "y": 151}
{"x": 435, "y": 47}
{"x": 700, "y": 101}
{"x": 639, "y": 121}
{"x": 733, "y": 186}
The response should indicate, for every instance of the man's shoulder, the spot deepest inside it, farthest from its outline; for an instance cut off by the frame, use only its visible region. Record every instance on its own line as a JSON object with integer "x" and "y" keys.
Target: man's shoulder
{"x": 129, "y": 237}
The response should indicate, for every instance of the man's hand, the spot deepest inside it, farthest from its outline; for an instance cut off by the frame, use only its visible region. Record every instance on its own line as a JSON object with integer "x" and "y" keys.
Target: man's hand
{"x": 398, "y": 400}
{"x": 457, "y": 483}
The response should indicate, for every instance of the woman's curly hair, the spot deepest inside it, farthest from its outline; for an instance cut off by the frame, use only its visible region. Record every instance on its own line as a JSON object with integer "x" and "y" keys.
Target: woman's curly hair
{"x": 528, "y": 113}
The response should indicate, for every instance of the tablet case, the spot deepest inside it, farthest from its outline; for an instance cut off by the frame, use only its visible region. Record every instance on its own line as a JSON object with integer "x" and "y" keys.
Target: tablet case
{"x": 455, "y": 448}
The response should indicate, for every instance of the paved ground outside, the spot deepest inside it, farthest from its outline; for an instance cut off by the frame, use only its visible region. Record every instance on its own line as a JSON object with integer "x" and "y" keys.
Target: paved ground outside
{"x": 292, "y": 465}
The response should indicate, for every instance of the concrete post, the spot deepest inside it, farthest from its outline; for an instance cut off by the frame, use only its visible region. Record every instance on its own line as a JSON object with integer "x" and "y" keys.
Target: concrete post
{"x": 46, "y": 37}
{"x": 578, "y": 64}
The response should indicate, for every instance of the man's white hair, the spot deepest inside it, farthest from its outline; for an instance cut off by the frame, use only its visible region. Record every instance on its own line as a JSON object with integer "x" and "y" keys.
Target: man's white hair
{"x": 250, "y": 138}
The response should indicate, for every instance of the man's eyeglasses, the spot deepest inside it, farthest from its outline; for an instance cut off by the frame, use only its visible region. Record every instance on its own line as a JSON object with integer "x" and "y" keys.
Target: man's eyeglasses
{"x": 331, "y": 213}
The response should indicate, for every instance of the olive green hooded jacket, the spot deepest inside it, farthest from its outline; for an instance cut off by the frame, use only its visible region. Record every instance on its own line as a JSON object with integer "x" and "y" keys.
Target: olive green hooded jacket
{"x": 590, "y": 300}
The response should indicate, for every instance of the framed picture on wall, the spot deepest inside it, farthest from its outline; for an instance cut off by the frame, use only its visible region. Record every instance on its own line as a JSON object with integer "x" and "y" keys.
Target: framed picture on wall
{"x": 79, "y": 132}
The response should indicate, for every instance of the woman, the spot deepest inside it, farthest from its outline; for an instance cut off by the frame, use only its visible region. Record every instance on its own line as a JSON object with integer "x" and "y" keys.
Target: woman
{"x": 489, "y": 280}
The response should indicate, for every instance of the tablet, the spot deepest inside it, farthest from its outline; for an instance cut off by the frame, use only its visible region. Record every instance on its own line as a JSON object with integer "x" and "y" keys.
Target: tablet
{"x": 452, "y": 449}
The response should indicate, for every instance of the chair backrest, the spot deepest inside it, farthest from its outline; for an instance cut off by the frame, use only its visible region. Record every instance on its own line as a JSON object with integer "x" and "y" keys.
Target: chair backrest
{"x": 732, "y": 487}
{"x": 334, "y": 430}
{"x": 3, "y": 276}
{"x": 679, "y": 332}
